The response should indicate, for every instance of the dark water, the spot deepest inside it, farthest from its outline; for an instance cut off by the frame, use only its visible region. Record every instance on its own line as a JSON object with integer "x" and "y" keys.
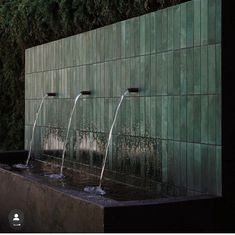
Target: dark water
{"x": 75, "y": 180}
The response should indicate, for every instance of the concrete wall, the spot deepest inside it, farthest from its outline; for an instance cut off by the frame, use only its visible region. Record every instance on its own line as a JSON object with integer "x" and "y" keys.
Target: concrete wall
{"x": 171, "y": 131}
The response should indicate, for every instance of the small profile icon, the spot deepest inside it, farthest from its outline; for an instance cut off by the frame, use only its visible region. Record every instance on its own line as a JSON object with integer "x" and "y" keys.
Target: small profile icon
{"x": 16, "y": 217}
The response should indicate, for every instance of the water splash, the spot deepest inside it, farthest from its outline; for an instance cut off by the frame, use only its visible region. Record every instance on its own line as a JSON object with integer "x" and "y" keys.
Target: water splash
{"x": 94, "y": 190}
{"x": 98, "y": 189}
{"x": 55, "y": 176}
{"x": 22, "y": 166}
{"x": 67, "y": 135}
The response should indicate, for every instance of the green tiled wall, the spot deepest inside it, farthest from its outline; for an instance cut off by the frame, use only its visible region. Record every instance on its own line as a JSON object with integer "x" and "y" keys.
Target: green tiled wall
{"x": 171, "y": 131}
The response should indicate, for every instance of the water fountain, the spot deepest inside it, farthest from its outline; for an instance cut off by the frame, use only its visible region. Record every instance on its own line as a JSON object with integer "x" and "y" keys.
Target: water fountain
{"x": 60, "y": 175}
{"x": 166, "y": 160}
{"x": 26, "y": 165}
{"x": 98, "y": 189}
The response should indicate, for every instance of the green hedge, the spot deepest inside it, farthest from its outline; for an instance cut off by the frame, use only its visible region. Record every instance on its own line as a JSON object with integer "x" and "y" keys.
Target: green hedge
{"x": 26, "y": 23}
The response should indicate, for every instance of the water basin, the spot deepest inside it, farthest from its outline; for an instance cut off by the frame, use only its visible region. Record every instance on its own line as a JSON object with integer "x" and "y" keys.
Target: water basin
{"x": 62, "y": 205}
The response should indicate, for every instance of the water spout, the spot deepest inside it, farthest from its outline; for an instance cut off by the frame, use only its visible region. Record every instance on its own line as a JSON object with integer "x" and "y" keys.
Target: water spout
{"x": 99, "y": 190}
{"x": 67, "y": 134}
{"x": 110, "y": 136}
{"x": 133, "y": 89}
{"x": 22, "y": 166}
{"x": 85, "y": 92}
{"x": 51, "y": 94}
{"x": 60, "y": 175}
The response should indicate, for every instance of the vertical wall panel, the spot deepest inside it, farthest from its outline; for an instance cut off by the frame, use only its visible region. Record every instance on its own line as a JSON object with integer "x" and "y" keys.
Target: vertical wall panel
{"x": 158, "y": 117}
{"x": 170, "y": 117}
{"x": 142, "y": 35}
{"x": 147, "y": 34}
{"x": 176, "y": 25}
{"x": 190, "y": 116}
{"x": 164, "y": 30}
{"x": 190, "y": 24}
{"x": 154, "y": 112}
{"x": 204, "y": 119}
{"x": 212, "y": 117}
{"x": 196, "y": 23}
{"x": 183, "y": 75}
{"x": 211, "y": 21}
{"x": 197, "y": 70}
{"x": 164, "y": 117}
{"x": 148, "y": 112}
{"x": 190, "y": 74}
{"x": 196, "y": 119}
{"x": 170, "y": 28}
{"x": 183, "y": 118}
{"x": 218, "y": 11}
{"x": 183, "y": 25}
{"x": 127, "y": 38}
{"x": 204, "y": 69}
{"x": 211, "y": 69}
{"x": 218, "y": 69}
{"x": 176, "y": 73}
{"x": 153, "y": 32}
{"x": 176, "y": 124}
{"x": 204, "y": 22}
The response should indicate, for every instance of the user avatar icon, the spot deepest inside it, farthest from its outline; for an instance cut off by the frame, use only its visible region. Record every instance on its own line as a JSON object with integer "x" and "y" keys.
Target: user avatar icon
{"x": 16, "y": 217}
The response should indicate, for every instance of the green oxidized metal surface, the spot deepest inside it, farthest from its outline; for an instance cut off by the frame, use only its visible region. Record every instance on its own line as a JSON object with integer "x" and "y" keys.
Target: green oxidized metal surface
{"x": 171, "y": 131}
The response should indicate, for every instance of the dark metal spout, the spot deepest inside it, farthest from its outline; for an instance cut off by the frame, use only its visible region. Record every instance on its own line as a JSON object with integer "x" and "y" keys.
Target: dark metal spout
{"x": 51, "y": 94}
{"x": 85, "y": 92}
{"x": 133, "y": 89}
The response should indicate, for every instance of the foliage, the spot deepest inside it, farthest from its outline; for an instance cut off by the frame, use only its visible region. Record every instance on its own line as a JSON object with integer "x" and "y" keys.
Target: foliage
{"x": 26, "y": 23}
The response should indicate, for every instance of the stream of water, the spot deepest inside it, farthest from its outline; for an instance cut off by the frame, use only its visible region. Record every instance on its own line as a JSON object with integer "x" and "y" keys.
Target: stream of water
{"x": 98, "y": 189}
{"x": 60, "y": 175}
